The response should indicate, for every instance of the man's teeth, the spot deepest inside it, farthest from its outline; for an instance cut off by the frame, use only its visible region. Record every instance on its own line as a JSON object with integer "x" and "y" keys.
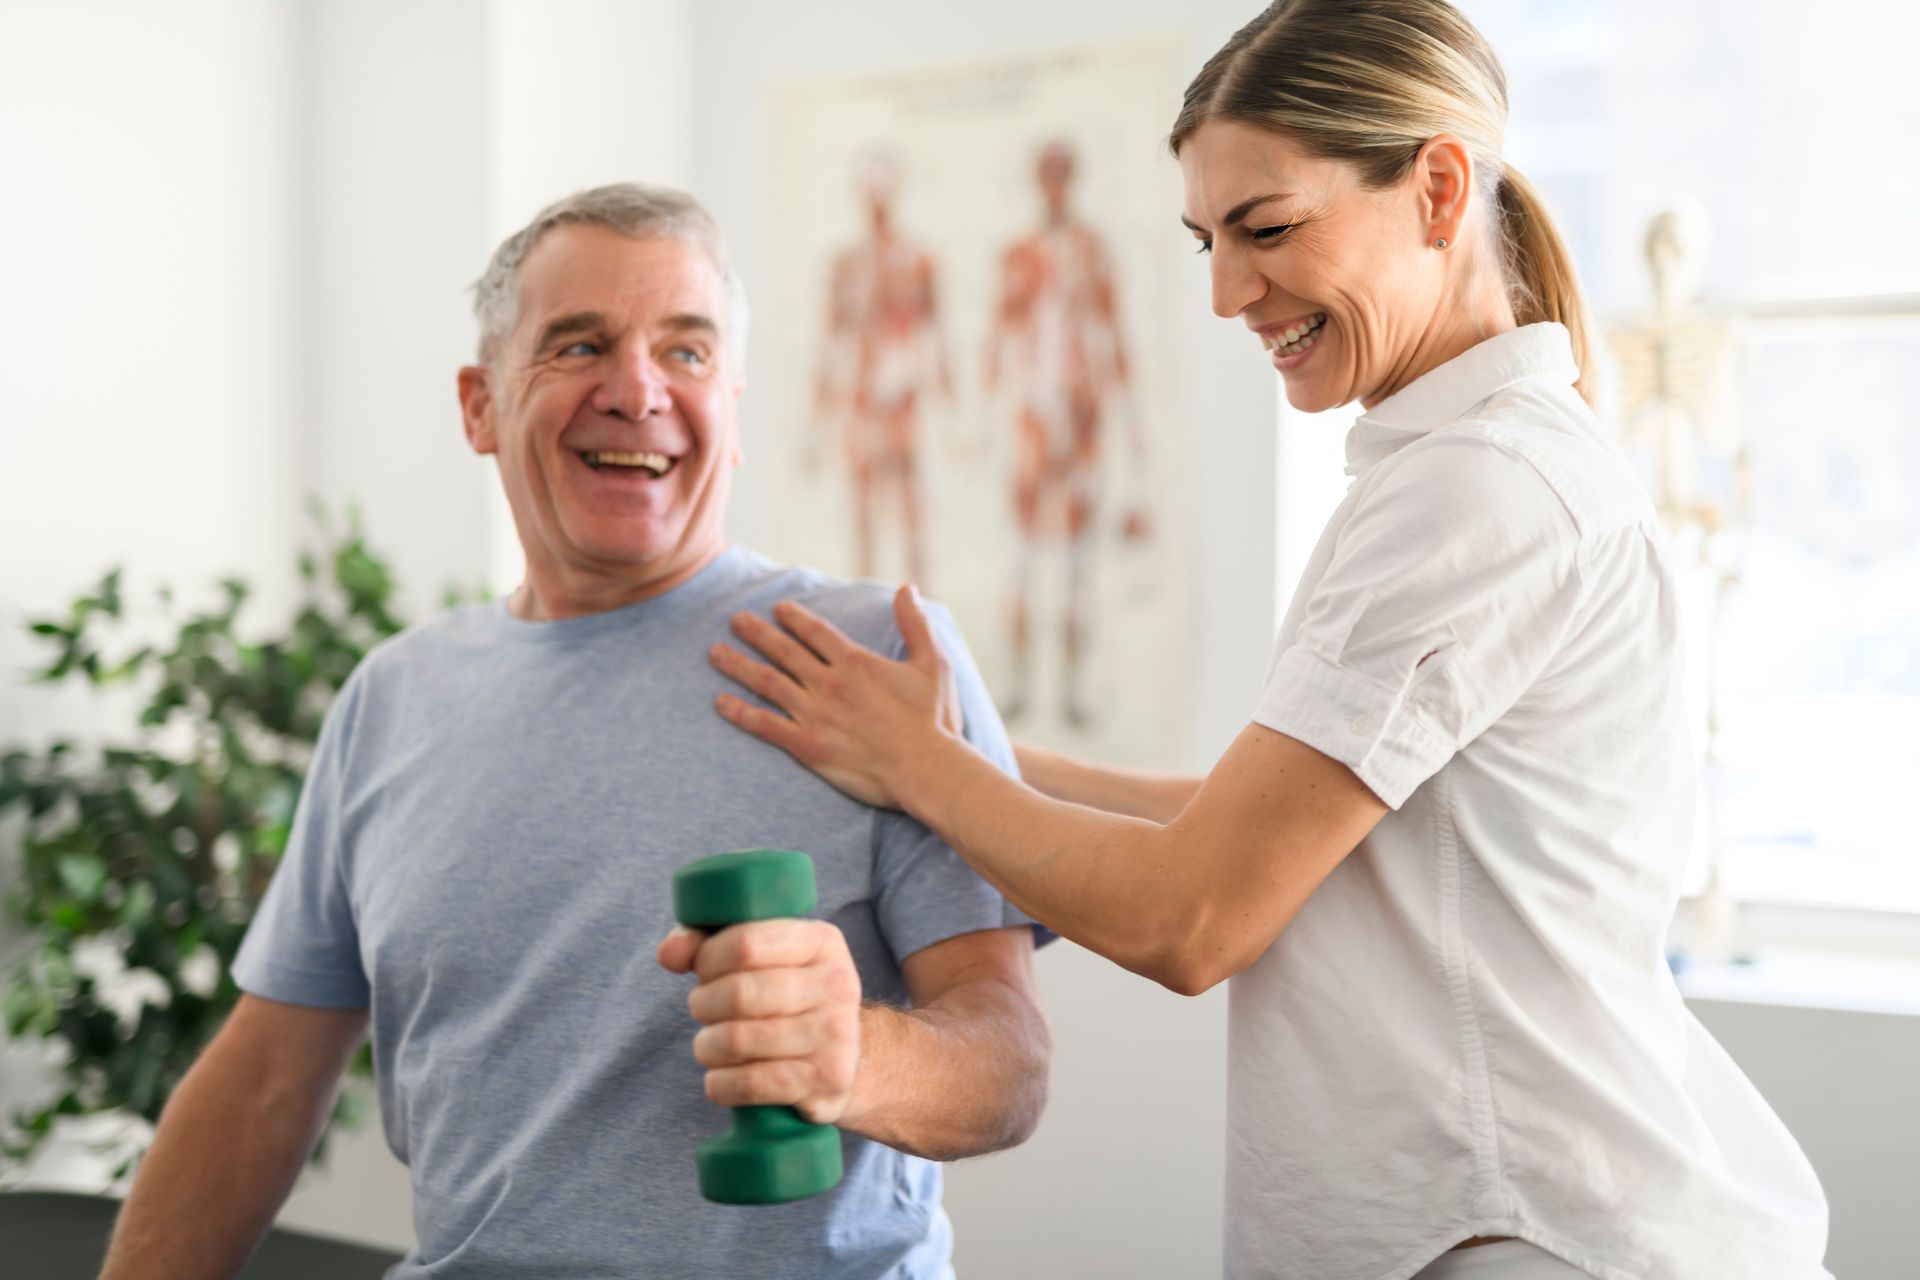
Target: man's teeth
{"x": 658, "y": 463}
{"x": 1294, "y": 339}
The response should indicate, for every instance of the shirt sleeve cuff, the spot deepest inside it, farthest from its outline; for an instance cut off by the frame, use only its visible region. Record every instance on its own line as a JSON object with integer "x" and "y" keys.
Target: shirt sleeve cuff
{"x": 311, "y": 987}
{"x": 1339, "y": 714}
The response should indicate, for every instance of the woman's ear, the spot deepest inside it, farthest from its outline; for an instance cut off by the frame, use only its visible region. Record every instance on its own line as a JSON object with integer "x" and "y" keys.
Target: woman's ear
{"x": 1443, "y": 183}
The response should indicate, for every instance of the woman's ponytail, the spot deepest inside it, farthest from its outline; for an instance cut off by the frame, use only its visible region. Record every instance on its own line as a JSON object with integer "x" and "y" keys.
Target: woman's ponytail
{"x": 1545, "y": 286}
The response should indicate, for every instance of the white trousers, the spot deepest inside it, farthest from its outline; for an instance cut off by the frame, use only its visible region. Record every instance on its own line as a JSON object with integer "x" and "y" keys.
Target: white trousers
{"x": 1507, "y": 1260}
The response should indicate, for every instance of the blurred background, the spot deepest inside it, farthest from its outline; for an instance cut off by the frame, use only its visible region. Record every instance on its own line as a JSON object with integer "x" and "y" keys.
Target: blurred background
{"x": 236, "y": 238}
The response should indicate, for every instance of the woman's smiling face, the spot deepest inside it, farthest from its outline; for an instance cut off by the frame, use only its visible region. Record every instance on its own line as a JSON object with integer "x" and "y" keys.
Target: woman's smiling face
{"x": 1342, "y": 284}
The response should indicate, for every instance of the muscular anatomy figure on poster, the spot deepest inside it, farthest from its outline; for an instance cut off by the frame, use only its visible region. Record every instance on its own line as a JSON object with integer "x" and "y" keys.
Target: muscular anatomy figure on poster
{"x": 1057, "y": 371}
{"x": 969, "y": 276}
{"x": 882, "y": 363}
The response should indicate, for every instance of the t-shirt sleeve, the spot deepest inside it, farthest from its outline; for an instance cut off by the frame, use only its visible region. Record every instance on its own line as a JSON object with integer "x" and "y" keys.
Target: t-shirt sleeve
{"x": 303, "y": 946}
{"x": 1451, "y": 586}
{"x": 924, "y": 893}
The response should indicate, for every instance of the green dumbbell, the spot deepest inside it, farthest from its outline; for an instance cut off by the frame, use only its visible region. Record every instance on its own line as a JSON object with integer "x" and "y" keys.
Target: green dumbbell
{"x": 771, "y": 1155}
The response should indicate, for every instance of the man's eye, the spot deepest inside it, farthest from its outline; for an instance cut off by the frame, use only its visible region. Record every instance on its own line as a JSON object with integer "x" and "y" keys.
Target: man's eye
{"x": 689, "y": 355}
{"x": 582, "y": 348}
{"x": 1206, "y": 246}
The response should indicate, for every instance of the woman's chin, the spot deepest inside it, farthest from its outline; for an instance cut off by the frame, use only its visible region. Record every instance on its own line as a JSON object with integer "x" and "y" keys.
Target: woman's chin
{"x": 1309, "y": 395}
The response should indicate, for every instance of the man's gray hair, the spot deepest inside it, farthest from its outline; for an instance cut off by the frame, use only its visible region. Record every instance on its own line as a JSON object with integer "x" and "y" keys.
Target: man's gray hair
{"x": 632, "y": 209}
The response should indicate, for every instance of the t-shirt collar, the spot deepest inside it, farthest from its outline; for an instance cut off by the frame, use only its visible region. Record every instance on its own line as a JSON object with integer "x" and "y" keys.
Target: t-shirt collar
{"x": 1435, "y": 398}
{"x": 713, "y": 579}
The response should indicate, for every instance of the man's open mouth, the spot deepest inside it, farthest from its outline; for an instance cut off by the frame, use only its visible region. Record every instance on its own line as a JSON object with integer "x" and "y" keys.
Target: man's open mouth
{"x": 654, "y": 464}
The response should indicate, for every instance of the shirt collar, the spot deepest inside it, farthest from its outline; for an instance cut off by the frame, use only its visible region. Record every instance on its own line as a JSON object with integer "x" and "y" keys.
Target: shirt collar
{"x": 1439, "y": 396}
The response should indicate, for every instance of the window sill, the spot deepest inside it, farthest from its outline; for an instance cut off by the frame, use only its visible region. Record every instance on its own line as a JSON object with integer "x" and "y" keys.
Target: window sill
{"x": 1856, "y": 983}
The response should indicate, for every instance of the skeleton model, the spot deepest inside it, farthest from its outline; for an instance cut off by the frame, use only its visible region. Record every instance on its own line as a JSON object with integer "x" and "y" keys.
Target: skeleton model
{"x": 1674, "y": 368}
{"x": 1056, "y": 366}
{"x": 881, "y": 364}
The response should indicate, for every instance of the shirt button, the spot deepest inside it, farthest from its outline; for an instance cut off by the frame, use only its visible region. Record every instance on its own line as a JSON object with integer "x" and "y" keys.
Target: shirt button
{"x": 1362, "y": 725}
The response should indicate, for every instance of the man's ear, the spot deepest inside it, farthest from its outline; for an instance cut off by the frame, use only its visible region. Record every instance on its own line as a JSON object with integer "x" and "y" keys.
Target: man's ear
{"x": 476, "y": 408}
{"x": 1443, "y": 178}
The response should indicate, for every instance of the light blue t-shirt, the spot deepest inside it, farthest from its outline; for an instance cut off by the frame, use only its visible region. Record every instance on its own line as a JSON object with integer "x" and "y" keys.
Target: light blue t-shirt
{"x": 483, "y": 857}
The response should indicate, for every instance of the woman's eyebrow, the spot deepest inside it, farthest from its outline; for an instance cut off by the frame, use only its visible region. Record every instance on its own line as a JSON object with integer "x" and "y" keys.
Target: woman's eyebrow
{"x": 1239, "y": 212}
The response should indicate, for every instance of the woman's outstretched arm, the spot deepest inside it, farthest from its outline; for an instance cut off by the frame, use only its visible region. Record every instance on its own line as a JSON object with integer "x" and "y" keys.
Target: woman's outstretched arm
{"x": 1188, "y": 904}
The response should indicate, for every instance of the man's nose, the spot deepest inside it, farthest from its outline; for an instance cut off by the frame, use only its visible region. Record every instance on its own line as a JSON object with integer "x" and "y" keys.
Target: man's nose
{"x": 635, "y": 387}
{"x": 1236, "y": 285}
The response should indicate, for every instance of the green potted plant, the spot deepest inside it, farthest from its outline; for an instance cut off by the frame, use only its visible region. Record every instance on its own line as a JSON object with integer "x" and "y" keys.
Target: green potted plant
{"x": 142, "y": 862}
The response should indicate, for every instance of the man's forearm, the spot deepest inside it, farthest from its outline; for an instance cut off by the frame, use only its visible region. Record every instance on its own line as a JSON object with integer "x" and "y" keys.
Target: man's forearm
{"x": 962, "y": 1076}
{"x": 1132, "y": 793}
{"x": 226, "y": 1154}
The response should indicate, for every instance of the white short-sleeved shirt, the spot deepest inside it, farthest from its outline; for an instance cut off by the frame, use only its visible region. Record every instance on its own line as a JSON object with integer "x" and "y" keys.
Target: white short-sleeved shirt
{"x": 1470, "y": 1028}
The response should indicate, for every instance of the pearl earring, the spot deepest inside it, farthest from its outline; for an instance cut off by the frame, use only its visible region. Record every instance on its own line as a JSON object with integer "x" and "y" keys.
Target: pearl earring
{"x": 1440, "y": 243}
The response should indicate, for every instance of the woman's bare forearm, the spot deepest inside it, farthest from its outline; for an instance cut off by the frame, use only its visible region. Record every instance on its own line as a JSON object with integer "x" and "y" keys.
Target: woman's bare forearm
{"x": 1132, "y": 793}
{"x": 1187, "y": 903}
{"x": 1096, "y": 877}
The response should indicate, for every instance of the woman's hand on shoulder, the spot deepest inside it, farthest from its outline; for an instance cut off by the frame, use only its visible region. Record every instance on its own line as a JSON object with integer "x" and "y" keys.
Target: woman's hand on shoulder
{"x": 865, "y": 723}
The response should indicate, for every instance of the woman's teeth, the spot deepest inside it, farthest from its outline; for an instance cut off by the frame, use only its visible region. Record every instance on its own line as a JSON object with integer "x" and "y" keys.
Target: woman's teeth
{"x": 658, "y": 463}
{"x": 1294, "y": 339}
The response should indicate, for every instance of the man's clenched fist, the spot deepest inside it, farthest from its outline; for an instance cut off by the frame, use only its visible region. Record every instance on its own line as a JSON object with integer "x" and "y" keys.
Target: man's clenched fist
{"x": 779, "y": 1004}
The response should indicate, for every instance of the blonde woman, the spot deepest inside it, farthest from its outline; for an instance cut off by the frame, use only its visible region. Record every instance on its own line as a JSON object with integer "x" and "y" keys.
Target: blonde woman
{"x": 1438, "y": 865}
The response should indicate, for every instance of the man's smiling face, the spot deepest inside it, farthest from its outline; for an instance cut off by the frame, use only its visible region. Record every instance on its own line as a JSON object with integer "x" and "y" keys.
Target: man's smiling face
{"x": 612, "y": 408}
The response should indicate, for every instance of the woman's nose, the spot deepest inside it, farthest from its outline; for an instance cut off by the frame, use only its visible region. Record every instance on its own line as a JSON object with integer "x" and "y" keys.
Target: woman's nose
{"x": 1236, "y": 286}
{"x": 635, "y": 388}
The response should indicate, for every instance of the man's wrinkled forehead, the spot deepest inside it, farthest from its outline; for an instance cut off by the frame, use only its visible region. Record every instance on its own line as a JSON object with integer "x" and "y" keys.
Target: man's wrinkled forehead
{"x": 582, "y": 277}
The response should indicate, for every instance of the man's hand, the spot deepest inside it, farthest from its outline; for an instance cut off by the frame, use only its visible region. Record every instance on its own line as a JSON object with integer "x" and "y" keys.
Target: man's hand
{"x": 779, "y": 1004}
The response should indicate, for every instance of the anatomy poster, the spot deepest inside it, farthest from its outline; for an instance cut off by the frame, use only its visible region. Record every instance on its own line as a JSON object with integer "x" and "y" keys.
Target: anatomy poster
{"x": 977, "y": 268}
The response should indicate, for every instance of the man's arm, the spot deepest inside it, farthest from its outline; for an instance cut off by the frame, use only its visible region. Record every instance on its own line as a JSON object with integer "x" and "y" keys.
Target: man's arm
{"x": 964, "y": 1071}
{"x": 232, "y": 1140}
{"x": 961, "y": 1073}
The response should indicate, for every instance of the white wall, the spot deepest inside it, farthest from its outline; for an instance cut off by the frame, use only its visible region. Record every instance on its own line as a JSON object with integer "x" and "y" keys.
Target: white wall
{"x": 148, "y": 341}
{"x": 397, "y": 172}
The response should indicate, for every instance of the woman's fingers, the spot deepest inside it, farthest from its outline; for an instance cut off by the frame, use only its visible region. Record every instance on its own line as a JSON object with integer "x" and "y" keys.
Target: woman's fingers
{"x": 924, "y": 651}
{"x": 815, "y": 632}
{"x": 913, "y": 624}
{"x": 851, "y": 715}
{"x": 768, "y": 726}
{"x": 779, "y": 648}
{"x": 774, "y": 685}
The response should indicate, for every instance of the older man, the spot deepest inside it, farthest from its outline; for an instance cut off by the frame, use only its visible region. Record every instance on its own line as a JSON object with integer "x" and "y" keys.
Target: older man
{"x": 482, "y": 858}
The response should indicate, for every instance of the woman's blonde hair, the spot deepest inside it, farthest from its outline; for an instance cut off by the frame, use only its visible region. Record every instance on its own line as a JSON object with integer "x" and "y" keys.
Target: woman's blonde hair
{"x": 1368, "y": 82}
